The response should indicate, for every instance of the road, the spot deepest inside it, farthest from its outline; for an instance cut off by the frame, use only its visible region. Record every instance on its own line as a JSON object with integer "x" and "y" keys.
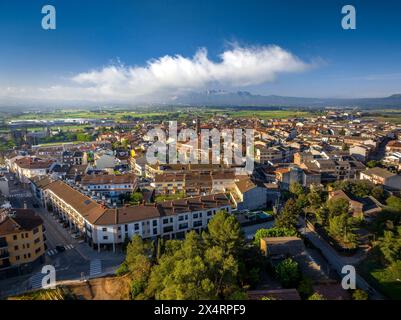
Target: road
{"x": 76, "y": 262}
{"x": 337, "y": 261}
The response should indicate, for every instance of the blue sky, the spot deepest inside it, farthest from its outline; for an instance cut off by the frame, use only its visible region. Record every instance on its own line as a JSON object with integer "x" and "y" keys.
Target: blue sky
{"x": 94, "y": 34}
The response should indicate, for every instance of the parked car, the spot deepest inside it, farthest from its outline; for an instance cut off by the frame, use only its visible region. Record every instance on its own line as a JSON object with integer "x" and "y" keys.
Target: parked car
{"x": 60, "y": 248}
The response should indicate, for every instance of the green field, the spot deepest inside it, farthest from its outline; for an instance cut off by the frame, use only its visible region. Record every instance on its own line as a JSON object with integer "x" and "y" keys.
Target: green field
{"x": 386, "y": 115}
{"x": 269, "y": 114}
{"x": 122, "y": 115}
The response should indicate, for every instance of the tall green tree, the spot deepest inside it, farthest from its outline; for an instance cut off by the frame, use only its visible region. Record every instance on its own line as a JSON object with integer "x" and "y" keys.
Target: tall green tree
{"x": 289, "y": 216}
{"x": 296, "y": 189}
{"x": 338, "y": 206}
{"x": 390, "y": 245}
{"x": 224, "y": 231}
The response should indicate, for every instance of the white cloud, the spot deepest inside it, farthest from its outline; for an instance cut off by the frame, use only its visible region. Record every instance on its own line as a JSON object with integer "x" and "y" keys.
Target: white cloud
{"x": 169, "y": 76}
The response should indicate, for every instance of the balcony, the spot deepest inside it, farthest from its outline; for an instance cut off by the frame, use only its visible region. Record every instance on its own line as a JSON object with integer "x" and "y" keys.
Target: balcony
{"x": 4, "y": 254}
{"x": 3, "y": 243}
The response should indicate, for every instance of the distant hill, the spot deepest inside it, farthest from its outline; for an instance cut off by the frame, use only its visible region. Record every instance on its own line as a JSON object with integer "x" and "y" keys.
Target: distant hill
{"x": 245, "y": 98}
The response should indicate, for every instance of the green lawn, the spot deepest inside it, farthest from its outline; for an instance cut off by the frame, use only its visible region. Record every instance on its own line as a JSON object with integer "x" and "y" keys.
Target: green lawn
{"x": 378, "y": 276}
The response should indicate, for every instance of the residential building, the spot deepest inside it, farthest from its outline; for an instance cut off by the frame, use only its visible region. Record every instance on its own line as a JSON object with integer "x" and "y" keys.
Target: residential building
{"x": 383, "y": 177}
{"x": 22, "y": 239}
{"x": 105, "y": 227}
{"x": 109, "y": 185}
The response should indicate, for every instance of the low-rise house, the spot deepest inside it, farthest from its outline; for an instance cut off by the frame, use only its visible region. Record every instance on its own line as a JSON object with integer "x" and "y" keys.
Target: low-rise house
{"x": 366, "y": 207}
{"x": 248, "y": 195}
{"x": 109, "y": 185}
{"x": 75, "y": 157}
{"x": 382, "y": 177}
{"x": 22, "y": 239}
{"x": 28, "y": 167}
{"x": 106, "y": 162}
{"x": 38, "y": 185}
{"x": 4, "y": 187}
{"x": 281, "y": 247}
{"x": 361, "y": 152}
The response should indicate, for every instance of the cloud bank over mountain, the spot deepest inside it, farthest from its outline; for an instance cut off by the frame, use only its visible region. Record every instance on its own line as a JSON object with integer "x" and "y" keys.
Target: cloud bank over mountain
{"x": 169, "y": 76}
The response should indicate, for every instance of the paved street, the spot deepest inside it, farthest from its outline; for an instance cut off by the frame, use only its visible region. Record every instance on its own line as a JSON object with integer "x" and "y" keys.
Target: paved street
{"x": 337, "y": 261}
{"x": 77, "y": 261}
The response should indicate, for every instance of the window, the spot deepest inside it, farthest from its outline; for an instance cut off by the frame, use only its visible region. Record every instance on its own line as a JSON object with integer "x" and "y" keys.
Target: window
{"x": 154, "y": 230}
{"x": 27, "y": 245}
{"x": 15, "y": 248}
{"x": 29, "y": 255}
{"x": 183, "y": 226}
{"x": 168, "y": 229}
{"x": 154, "y": 223}
{"x": 36, "y": 230}
{"x": 180, "y": 218}
{"x": 197, "y": 223}
{"x": 119, "y": 228}
{"x": 126, "y": 228}
{"x": 195, "y": 216}
{"x": 104, "y": 229}
{"x": 17, "y": 258}
{"x": 105, "y": 237}
{"x": 209, "y": 213}
{"x": 37, "y": 240}
{"x": 136, "y": 226}
{"x": 165, "y": 220}
{"x": 22, "y": 236}
{"x": 38, "y": 250}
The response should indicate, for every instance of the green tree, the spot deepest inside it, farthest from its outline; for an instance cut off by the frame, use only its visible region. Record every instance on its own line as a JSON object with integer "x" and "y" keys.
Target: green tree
{"x": 359, "y": 294}
{"x": 305, "y": 288}
{"x": 182, "y": 275}
{"x": 394, "y": 203}
{"x": 288, "y": 273}
{"x": 341, "y": 228}
{"x": 372, "y": 163}
{"x": 338, "y": 206}
{"x": 224, "y": 231}
{"x": 289, "y": 216}
{"x": 273, "y": 232}
{"x": 138, "y": 264}
{"x": 378, "y": 193}
{"x": 322, "y": 215}
{"x": 390, "y": 245}
{"x": 316, "y": 296}
{"x": 296, "y": 189}
{"x": 314, "y": 199}
{"x": 136, "y": 197}
{"x": 166, "y": 197}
